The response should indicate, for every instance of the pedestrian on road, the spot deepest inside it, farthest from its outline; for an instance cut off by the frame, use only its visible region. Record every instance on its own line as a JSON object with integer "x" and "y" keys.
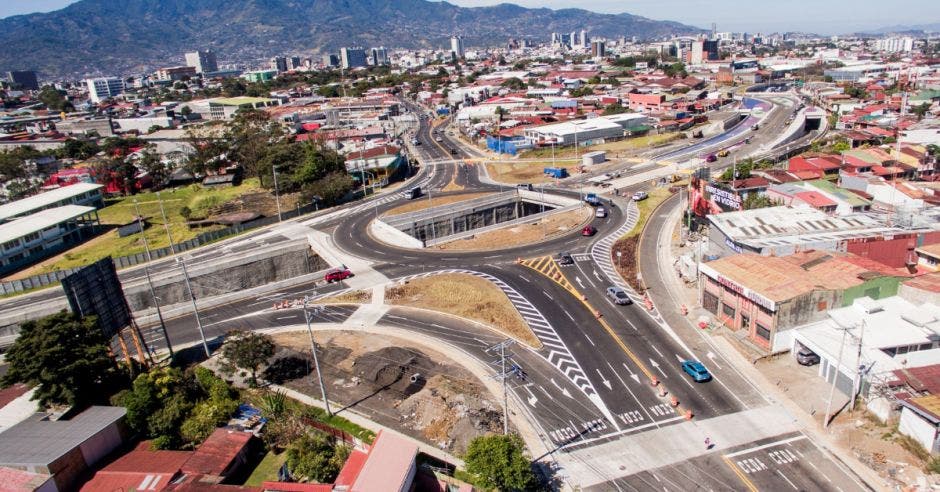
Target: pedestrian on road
{"x": 708, "y": 443}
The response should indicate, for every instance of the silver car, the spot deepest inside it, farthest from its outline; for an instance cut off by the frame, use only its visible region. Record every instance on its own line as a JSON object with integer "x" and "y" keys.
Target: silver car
{"x": 618, "y": 295}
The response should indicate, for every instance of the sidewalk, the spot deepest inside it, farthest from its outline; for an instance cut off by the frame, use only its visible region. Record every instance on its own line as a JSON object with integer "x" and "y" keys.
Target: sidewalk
{"x": 672, "y": 444}
{"x": 677, "y": 293}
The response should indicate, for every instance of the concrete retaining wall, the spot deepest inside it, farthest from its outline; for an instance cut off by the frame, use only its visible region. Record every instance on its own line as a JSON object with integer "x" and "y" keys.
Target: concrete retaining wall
{"x": 521, "y": 220}
{"x": 388, "y": 234}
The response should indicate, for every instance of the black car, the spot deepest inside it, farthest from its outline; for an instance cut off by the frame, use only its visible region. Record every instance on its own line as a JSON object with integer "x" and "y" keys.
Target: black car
{"x": 565, "y": 259}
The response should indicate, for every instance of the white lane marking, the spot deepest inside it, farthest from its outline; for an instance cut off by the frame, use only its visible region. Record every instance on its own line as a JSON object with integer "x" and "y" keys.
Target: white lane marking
{"x": 569, "y": 316}
{"x": 657, "y": 351}
{"x": 548, "y": 296}
{"x": 589, "y": 340}
{"x": 765, "y": 446}
{"x": 286, "y": 317}
{"x": 787, "y": 479}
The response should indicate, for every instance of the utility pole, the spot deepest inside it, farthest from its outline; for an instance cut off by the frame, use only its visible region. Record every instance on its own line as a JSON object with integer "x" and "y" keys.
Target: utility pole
{"x": 835, "y": 377}
{"x": 192, "y": 297}
{"x": 156, "y": 302}
{"x": 316, "y": 362}
{"x": 856, "y": 390}
{"x": 166, "y": 224}
{"x": 501, "y": 346}
{"x": 277, "y": 196}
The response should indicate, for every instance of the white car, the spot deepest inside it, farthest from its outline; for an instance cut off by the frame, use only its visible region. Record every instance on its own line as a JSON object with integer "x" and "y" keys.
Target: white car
{"x": 640, "y": 195}
{"x": 600, "y": 212}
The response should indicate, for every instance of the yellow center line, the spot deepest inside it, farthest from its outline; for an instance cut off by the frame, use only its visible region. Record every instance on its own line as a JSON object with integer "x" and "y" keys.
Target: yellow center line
{"x": 737, "y": 471}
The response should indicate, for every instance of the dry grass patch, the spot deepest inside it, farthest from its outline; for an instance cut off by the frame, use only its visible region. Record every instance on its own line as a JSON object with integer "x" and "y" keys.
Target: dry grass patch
{"x": 453, "y": 186}
{"x": 423, "y": 203}
{"x": 351, "y": 297}
{"x": 466, "y": 296}
{"x": 525, "y": 172}
{"x": 520, "y": 234}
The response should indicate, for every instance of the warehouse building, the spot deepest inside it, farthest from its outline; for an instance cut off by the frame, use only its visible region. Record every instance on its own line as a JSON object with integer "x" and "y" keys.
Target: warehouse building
{"x": 582, "y": 132}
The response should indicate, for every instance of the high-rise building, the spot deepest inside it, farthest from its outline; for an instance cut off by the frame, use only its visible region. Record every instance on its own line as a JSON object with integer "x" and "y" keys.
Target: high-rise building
{"x": 378, "y": 56}
{"x": 279, "y": 63}
{"x": 104, "y": 88}
{"x": 456, "y": 46}
{"x": 598, "y": 49}
{"x": 295, "y": 63}
{"x": 583, "y": 40}
{"x": 330, "y": 60}
{"x": 352, "y": 57}
{"x": 203, "y": 61}
{"x": 895, "y": 45}
{"x": 23, "y": 80}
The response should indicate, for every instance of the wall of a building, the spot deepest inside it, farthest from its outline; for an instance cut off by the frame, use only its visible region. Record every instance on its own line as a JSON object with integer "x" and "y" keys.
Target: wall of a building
{"x": 915, "y": 427}
{"x": 876, "y": 288}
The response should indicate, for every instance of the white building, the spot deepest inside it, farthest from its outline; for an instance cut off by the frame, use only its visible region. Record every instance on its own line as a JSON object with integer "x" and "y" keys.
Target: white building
{"x": 202, "y": 61}
{"x": 103, "y": 88}
{"x": 875, "y": 338}
{"x": 456, "y": 46}
{"x": 895, "y": 45}
{"x": 583, "y": 131}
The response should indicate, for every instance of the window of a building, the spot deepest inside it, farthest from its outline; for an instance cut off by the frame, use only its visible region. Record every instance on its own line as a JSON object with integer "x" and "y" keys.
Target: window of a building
{"x": 31, "y": 237}
{"x": 11, "y": 244}
{"x": 710, "y": 302}
{"x": 745, "y": 321}
{"x": 763, "y": 332}
{"x": 727, "y": 310}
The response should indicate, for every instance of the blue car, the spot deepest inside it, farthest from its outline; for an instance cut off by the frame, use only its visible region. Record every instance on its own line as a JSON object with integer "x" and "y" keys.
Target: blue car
{"x": 695, "y": 369}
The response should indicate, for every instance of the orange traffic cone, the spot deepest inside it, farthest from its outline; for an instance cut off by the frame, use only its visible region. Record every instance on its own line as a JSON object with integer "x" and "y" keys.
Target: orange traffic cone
{"x": 675, "y": 401}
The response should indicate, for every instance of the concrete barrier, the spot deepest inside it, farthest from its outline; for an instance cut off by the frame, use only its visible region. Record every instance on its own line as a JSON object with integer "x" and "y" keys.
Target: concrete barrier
{"x": 390, "y": 235}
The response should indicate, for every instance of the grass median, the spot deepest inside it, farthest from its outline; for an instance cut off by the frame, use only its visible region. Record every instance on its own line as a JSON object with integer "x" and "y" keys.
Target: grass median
{"x": 467, "y": 296}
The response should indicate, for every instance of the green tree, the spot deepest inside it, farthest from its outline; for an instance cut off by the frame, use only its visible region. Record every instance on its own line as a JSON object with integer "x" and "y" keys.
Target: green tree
{"x": 211, "y": 412}
{"x": 53, "y": 99}
{"x": 316, "y": 458}
{"x": 79, "y": 149}
{"x": 158, "y": 170}
{"x": 67, "y": 359}
{"x": 251, "y": 135}
{"x": 743, "y": 170}
{"x": 757, "y": 200}
{"x": 248, "y": 351}
{"x": 499, "y": 461}
{"x": 206, "y": 151}
{"x": 186, "y": 111}
{"x": 514, "y": 83}
{"x": 615, "y": 108}
{"x": 330, "y": 189}
{"x": 676, "y": 70}
{"x": 921, "y": 110}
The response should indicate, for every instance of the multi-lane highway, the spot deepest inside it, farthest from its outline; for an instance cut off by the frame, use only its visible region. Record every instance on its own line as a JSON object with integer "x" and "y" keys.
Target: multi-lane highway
{"x": 605, "y": 377}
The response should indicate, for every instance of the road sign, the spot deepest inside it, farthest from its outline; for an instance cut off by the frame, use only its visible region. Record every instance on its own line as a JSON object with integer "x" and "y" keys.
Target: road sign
{"x": 96, "y": 290}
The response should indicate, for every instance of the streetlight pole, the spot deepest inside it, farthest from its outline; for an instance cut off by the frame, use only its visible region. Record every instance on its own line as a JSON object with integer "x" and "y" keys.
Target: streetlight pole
{"x": 277, "y": 196}
{"x": 166, "y": 224}
{"x": 316, "y": 361}
{"x": 153, "y": 294}
{"x": 192, "y": 297}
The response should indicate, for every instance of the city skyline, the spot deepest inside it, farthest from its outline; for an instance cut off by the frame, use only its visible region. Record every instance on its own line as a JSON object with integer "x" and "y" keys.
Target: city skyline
{"x": 729, "y": 15}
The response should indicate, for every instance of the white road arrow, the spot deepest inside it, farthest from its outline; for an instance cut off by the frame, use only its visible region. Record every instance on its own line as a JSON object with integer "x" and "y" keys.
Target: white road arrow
{"x": 578, "y": 280}
{"x": 596, "y": 275}
{"x": 564, "y": 391}
{"x": 656, "y": 365}
{"x": 680, "y": 358}
{"x": 712, "y": 356}
{"x": 632, "y": 374}
{"x": 604, "y": 380}
{"x": 532, "y": 398}
{"x": 549, "y": 395}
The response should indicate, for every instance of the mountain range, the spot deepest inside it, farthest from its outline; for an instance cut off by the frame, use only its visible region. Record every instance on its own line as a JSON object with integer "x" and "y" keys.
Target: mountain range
{"x": 108, "y": 37}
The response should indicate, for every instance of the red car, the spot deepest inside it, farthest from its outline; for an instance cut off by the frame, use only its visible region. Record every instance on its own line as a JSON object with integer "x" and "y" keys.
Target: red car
{"x": 337, "y": 275}
{"x": 588, "y": 230}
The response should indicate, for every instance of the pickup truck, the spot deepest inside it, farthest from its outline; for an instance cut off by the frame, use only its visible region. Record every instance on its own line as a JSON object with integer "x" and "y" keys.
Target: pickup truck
{"x": 592, "y": 199}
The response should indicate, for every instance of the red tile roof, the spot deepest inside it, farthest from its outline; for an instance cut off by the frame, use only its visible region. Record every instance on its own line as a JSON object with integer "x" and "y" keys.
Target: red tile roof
{"x": 347, "y": 476}
{"x": 296, "y": 487}
{"x": 815, "y": 199}
{"x": 12, "y": 480}
{"x": 215, "y": 455}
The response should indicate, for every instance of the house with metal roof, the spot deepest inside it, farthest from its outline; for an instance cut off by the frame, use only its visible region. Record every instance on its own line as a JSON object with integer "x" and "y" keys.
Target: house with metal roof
{"x": 64, "y": 448}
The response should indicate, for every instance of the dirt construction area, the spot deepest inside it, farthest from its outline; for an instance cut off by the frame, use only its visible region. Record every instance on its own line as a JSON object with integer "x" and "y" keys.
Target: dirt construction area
{"x": 395, "y": 382}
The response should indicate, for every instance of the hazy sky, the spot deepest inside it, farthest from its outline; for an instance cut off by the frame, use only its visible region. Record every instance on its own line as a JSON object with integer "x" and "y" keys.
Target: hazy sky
{"x": 821, "y": 16}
